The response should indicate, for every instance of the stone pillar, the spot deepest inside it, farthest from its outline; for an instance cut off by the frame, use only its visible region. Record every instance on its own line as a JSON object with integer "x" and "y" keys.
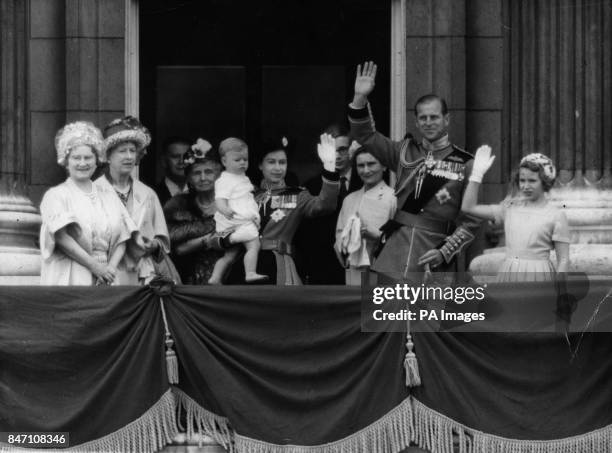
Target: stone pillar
{"x": 95, "y": 60}
{"x": 454, "y": 48}
{"x": 558, "y": 67}
{"x": 76, "y": 72}
{"x": 557, "y": 90}
{"x": 435, "y": 58}
{"x": 19, "y": 219}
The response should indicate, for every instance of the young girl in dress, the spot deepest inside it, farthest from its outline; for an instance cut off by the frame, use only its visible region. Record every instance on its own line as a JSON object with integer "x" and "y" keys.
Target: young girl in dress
{"x": 532, "y": 226}
{"x": 237, "y": 210}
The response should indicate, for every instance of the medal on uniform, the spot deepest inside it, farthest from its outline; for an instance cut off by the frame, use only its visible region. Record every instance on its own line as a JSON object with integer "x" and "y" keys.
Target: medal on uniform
{"x": 429, "y": 163}
{"x": 277, "y": 215}
{"x": 449, "y": 170}
{"x": 289, "y": 202}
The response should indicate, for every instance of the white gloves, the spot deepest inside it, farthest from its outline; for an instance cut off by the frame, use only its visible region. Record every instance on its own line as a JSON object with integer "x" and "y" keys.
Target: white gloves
{"x": 482, "y": 162}
{"x": 327, "y": 152}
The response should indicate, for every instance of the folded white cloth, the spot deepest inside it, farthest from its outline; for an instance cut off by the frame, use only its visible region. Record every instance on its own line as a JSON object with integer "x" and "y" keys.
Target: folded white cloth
{"x": 353, "y": 244}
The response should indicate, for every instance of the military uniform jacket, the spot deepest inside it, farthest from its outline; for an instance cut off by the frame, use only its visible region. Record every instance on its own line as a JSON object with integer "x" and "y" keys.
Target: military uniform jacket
{"x": 429, "y": 189}
{"x": 281, "y": 212}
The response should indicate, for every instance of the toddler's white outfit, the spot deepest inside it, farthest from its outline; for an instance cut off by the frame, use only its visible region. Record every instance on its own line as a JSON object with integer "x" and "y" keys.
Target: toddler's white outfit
{"x": 238, "y": 191}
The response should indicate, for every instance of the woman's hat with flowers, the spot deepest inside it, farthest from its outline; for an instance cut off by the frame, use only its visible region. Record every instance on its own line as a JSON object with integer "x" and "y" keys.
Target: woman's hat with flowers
{"x": 545, "y": 162}
{"x": 198, "y": 151}
{"x": 126, "y": 129}
{"x": 77, "y": 134}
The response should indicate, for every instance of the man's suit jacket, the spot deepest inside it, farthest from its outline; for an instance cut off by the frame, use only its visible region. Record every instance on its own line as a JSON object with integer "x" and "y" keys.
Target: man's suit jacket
{"x": 162, "y": 192}
{"x": 315, "y": 239}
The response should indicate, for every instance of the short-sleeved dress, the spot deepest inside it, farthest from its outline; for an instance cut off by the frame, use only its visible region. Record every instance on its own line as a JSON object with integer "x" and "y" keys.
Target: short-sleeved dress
{"x": 96, "y": 220}
{"x": 531, "y": 232}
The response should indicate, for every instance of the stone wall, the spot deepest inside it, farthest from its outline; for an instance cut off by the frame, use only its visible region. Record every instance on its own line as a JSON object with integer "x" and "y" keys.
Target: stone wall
{"x": 76, "y": 71}
{"x": 455, "y": 48}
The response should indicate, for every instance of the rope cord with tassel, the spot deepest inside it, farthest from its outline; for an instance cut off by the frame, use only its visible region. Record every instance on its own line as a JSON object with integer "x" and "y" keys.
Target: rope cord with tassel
{"x": 171, "y": 359}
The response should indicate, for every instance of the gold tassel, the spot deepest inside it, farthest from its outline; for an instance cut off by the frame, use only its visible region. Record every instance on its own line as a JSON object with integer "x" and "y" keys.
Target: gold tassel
{"x": 411, "y": 365}
{"x": 171, "y": 361}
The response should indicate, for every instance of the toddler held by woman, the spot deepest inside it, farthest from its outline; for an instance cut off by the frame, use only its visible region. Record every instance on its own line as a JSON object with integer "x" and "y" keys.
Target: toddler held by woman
{"x": 237, "y": 210}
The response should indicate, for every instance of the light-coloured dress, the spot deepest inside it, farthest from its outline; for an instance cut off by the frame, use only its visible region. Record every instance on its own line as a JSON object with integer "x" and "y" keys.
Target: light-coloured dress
{"x": 374, "y": 208}
{"x": 531, "y": 232}
{"x": 96, "y": 220}
{"x": 238, "y": 191}
{"x": 146, "y": 212}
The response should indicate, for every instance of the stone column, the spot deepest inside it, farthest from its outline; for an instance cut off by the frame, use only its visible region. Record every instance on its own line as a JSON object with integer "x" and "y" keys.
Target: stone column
{"x": 95, "y": 60}
{"x": 558, "y": 68}
{"x": 435, "y": 58}
{"x": 19, "y": 219}
{"x": 558, "y": 84}
{"x": 454, "y": 48}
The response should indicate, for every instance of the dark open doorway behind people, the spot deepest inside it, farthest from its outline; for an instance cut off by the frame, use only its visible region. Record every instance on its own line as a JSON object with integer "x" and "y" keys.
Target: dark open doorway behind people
{"x": 257, "y": 70}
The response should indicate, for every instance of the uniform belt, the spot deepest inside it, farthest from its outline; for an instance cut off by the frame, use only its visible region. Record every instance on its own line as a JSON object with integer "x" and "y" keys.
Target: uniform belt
{"x": 423, "y": 223}
{"x": 279, "y": 246}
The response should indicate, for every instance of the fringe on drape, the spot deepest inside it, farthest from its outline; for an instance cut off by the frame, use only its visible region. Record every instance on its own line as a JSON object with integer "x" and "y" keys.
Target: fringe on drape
{"x": 389, "y": 434}
{"x": 201, "y": 421}
{"x": 147, "y": 434}
{"x": 440, "y": 434}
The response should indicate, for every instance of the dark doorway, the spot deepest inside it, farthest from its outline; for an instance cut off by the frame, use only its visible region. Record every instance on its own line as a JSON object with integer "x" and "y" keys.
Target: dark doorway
{"x": 267, "y": 69}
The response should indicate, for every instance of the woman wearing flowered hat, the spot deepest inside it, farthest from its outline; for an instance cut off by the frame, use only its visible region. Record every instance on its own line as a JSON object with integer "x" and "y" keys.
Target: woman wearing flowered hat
{"x": 532, "y": 226}
{"x": 84, "y": 230}
{"x": 125, "y": 141}
{"x": 190, "y": 216}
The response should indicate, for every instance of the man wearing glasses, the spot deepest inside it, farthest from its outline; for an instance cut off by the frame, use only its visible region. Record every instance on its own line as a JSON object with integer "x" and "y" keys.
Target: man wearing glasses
{"x": 316, "y": 237}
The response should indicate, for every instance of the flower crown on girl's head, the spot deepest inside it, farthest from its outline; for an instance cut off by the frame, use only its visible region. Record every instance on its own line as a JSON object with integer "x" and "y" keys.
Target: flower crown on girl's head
{"x": 545, "y": 162}
{"x": 198, "y": 151}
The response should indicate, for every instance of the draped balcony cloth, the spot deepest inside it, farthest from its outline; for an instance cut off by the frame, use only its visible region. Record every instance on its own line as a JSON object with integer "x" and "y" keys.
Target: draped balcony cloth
{"x": 273, "y": 369}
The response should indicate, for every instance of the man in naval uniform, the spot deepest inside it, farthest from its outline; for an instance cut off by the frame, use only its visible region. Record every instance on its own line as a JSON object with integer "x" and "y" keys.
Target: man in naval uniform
{"x": 428, "y": 232}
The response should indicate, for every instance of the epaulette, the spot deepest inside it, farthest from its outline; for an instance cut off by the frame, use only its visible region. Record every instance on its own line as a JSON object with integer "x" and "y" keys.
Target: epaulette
{"x": 467, "y": 153}
{"x": 459, "y": 155}
{"x": 293, "y": 190}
